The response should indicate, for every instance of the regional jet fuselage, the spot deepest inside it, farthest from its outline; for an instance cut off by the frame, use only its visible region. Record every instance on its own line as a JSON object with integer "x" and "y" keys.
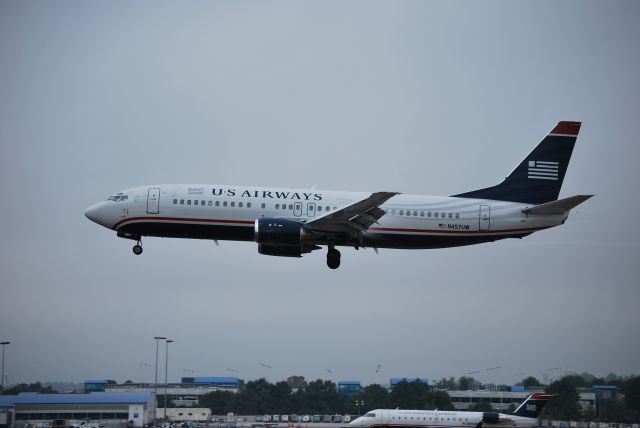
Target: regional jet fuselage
{"x": 292, "y": 222}
{"x": 524, "y": 416}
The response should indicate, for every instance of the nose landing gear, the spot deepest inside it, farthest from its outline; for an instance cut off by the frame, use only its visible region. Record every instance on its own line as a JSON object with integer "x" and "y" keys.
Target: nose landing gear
{"x": 137, "y": 249}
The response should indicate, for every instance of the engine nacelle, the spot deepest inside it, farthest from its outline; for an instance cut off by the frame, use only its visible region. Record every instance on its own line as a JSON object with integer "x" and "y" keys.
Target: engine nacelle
{"x": 277, "y": 231}
{"x": 490, "y": 418}
{"x": 280, "y": 250}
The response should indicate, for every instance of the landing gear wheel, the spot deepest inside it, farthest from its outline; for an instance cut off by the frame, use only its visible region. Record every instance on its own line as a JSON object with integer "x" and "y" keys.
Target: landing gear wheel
{"x": 137, "y": 249}
{"x": 333, "y": 258}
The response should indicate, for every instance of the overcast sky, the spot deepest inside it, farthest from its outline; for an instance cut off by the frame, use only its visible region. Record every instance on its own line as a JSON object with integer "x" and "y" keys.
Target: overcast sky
{"x": 416, "y": 97}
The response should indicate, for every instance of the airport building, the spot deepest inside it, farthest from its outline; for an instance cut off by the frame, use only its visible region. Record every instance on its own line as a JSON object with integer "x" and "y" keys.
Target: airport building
{"x": 395, "y": 380}
{"x": 349, "y": 387}
{"x": 6, "y": 410}
{"x": 112, "y": 410}
{"x": 186, "y": 393}
{"x": 501, "y": 400}
{"x": 181, "y": 414}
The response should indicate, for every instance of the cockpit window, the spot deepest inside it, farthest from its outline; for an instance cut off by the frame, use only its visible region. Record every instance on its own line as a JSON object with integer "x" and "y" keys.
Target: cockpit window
{"x": 118, "y": 197}
{"x": 369, "y": 415}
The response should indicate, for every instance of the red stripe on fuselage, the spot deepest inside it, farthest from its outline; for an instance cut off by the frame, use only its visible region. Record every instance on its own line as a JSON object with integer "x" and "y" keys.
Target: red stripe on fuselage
{"x": 456, "y": 232}
{"x": 183, "y": 219}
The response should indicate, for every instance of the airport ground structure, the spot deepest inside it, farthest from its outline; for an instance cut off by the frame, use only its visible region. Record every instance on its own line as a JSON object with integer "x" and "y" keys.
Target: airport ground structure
{"x": 185, "y": 393}
{"x": 106, "y": 404}
{"x": 188, "y": 394}
{"x": 89, "y": 410}
{"x": 135, "y": 409}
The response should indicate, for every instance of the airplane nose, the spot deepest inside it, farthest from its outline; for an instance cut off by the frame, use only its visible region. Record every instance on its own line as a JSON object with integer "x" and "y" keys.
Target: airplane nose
{"x": 96, "y": 214}
{"x": 91, "y": 213}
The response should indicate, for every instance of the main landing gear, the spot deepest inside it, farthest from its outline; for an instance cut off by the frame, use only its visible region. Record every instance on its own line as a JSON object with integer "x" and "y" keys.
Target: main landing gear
{"x": 333, "y": 258}
{"x": 137, "y": 249}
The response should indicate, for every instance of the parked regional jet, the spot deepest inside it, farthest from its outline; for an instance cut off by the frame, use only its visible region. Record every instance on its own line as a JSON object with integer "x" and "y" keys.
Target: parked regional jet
{"x": 524, "y": 416}
{"x": 293, "y": 222}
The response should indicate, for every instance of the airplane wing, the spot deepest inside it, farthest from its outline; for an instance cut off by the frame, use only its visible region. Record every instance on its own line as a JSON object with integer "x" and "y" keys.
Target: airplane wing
{"x": 560, "y": 206}
{"x": 356, "y": 217}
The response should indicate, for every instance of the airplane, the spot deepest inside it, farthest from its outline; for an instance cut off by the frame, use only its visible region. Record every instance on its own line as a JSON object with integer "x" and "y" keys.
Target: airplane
{"x": 293, "y": 222}
{"x": 524, "y": 416}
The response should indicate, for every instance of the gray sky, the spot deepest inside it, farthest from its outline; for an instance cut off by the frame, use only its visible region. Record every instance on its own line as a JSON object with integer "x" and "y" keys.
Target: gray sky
{"x": 416, "y": 97}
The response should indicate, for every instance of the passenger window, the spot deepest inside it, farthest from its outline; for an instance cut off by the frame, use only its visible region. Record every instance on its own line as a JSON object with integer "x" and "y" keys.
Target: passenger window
{"x": 209, "y": 203}
{"x": 181, "y": 201}
{"x": 393, "y": 212}
{"x": 401, "y": 212}
{"x": 450, "y": 215}
{"x": 263, "y": 205}
{"x": 415, "y": 213}
{"x": 421, "y": 213}
{"x": 175, "y": 201}
{"x": 195, "y": 202}
{"x": 224, "y": 204}
{"x": 457, "y": 215}
{"x": 248, "y": 204}
{"x": 217, "y": 203}
{"x": 233, "y": 204}
{"x": 277, "y": 206}
{"x": 442, "y": 215}
{"x": 202, "y": 203}
{"x": 188, "y": 201}
{"x": 428, "y": 213}
{"x": 335, "y": 208}
{"x": 319, "y": 207}
{"x": 284, "y": 206}
{"x": 240, "y": 204}
{"x": 290, "y": 206}
{"x": 435, "y": 214}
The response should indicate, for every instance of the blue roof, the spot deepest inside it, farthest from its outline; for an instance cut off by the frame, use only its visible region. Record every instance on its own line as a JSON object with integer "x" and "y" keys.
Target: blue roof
{"x": 91, "y": 398}
{"x": 7, "y": 400}
{"x": 348, "y": 382}
{"x": 96, "y": 381}
{"x": 215, "y": 380}
{"x": 605, "y": 387}
{"x": 395, "y": 380}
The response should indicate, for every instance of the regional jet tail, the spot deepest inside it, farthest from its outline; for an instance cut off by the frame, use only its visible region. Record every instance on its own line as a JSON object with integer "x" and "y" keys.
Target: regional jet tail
{"x": 294, "y": 222}
{"x": 524, "y": 416}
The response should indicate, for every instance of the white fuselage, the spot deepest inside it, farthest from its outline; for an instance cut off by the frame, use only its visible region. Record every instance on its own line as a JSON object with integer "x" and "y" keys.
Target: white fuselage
{"x": 436, "y": 419}
{"x": 229, "y": 212}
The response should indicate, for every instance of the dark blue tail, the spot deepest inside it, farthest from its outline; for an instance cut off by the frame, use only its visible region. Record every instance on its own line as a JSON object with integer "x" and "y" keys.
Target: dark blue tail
{"x": 533, "y": 405}
{"x": 539, "y": 176}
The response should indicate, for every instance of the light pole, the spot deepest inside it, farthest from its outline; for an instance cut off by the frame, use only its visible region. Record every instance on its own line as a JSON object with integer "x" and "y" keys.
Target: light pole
{"x": 155, "y": 383}
{"x": 3, "y": 345}
{"x": 166, "y": 369}
{"x": 358, "y": 404}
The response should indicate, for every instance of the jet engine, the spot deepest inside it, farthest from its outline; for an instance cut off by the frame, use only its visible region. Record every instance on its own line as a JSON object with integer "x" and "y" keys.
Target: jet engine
{"x": 279, "y": 237}
{"x": 491, "y": 418}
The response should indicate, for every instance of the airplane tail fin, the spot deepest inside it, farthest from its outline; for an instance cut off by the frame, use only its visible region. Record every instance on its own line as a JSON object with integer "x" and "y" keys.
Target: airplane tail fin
{"x": 533, "y": 405}
{"x": 539, "y": 176}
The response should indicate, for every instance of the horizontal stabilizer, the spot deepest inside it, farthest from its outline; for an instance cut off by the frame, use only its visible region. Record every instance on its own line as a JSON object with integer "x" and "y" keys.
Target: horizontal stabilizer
{"x": 560, "y": 206}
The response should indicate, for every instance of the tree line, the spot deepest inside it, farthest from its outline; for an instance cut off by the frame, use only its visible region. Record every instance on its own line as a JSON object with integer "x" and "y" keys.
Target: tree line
{"x": 260, "y": 397}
